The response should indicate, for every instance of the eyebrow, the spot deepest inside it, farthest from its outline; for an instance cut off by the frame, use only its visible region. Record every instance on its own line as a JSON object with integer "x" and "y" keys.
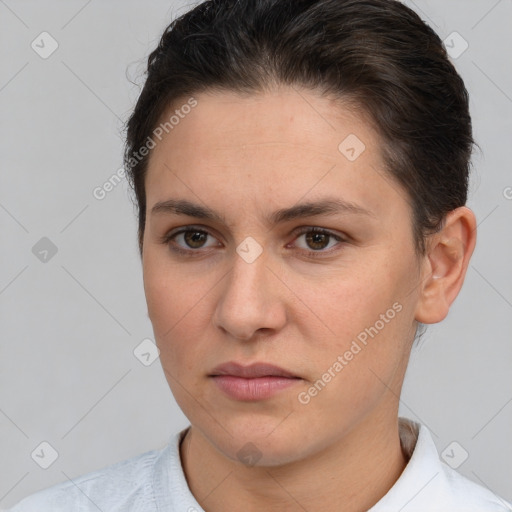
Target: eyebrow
{"x": 324, "y": 206}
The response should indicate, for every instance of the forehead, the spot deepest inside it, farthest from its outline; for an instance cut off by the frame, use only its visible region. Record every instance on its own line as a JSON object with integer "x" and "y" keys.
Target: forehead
{"x": 286, "y": 115}
{"x": 285, "y": 145}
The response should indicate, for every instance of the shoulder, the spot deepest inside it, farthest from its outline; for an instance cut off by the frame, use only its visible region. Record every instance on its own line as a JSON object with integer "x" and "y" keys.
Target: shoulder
{"x": 462, "y": 494}
{"x": 428, "y": 484}
{"x": 113, "y": 487}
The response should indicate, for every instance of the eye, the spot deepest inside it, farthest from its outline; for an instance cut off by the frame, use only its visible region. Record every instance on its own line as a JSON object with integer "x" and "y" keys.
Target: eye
{"x": 188, "y": 239}
{"x": 318, "y": 239}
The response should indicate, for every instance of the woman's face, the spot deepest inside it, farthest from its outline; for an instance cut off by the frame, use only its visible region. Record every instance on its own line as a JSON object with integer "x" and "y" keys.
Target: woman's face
{"x": 253, "y": 283}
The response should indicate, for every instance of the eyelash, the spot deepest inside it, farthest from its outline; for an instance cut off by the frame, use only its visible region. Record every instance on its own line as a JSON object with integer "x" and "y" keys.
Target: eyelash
{"x": 166, "y": 239}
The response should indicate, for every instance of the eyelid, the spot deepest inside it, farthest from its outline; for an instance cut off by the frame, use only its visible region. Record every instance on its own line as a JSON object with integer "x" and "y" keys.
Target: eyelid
{"x": 317, "y": 229}
{"x": 188, "y": 227}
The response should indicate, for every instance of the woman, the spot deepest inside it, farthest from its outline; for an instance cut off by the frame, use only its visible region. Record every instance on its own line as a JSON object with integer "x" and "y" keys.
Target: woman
{"x": 300, "y": 169}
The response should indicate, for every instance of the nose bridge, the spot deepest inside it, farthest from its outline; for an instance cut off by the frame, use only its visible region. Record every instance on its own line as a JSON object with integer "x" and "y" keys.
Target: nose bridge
{"x": 248, "y": 299}
{"x": 248, "y": 280}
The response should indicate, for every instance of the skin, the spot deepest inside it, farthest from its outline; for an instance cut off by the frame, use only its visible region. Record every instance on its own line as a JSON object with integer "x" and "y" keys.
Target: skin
{"x": 246, "y": 157}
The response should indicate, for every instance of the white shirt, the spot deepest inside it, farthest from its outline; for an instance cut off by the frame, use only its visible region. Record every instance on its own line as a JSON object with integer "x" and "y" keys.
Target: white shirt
{"x": 155, "y": 482}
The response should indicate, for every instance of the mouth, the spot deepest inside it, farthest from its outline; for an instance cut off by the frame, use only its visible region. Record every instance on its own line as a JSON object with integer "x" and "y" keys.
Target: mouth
{"x": 253, "y": 371}
{"x": 258, "y": 381}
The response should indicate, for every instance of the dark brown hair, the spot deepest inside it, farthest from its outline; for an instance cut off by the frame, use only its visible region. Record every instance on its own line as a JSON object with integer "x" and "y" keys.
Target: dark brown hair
{"x": 376, "y": 54}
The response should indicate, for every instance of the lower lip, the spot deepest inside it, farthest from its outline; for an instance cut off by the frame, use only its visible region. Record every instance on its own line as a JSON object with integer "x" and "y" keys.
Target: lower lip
{"x": 252, "y": 389}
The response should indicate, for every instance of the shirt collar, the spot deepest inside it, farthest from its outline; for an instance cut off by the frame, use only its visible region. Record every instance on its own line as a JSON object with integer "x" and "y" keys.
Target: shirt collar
{"x": 420, "y": 473}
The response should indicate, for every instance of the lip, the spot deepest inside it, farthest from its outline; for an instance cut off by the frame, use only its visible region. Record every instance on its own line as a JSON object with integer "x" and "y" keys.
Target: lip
{"x": 258, "y": 381}
{"x": 251, "y": 371}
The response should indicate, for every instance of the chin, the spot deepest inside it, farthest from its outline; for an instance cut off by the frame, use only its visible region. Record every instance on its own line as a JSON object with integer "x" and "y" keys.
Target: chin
{"x": 257, "y": 441}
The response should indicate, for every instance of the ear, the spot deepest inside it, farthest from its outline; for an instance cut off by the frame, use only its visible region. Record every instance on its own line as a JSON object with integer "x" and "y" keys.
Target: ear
{"x": 445, "y": 264}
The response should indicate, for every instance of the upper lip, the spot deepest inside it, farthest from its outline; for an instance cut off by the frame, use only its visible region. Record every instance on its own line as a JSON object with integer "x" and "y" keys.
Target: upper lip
{"x": 251, "y": 371}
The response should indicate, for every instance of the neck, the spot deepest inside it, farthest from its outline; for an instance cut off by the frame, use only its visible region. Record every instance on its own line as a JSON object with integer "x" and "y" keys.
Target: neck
{"x": 352, "y": 474}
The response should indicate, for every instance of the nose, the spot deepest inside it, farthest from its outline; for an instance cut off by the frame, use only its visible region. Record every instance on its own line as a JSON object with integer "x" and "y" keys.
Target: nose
{"x": 251, "y": 299}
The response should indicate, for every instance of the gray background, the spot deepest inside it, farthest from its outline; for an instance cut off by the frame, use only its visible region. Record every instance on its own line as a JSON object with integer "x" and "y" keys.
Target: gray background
{"x": 69, "y": 325}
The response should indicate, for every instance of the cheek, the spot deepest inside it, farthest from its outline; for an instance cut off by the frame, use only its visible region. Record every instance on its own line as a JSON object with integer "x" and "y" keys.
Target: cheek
{"x": 356, "y": 367}
{"x": 177, "y": 307}
{"x": 170, "y": 292}
{"x": 368, "y": 314}
{"x": 352, "y": 300}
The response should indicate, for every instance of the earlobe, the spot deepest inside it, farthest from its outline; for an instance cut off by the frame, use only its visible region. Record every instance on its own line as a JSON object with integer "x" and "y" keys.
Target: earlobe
{"x": 445, "y": 265}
